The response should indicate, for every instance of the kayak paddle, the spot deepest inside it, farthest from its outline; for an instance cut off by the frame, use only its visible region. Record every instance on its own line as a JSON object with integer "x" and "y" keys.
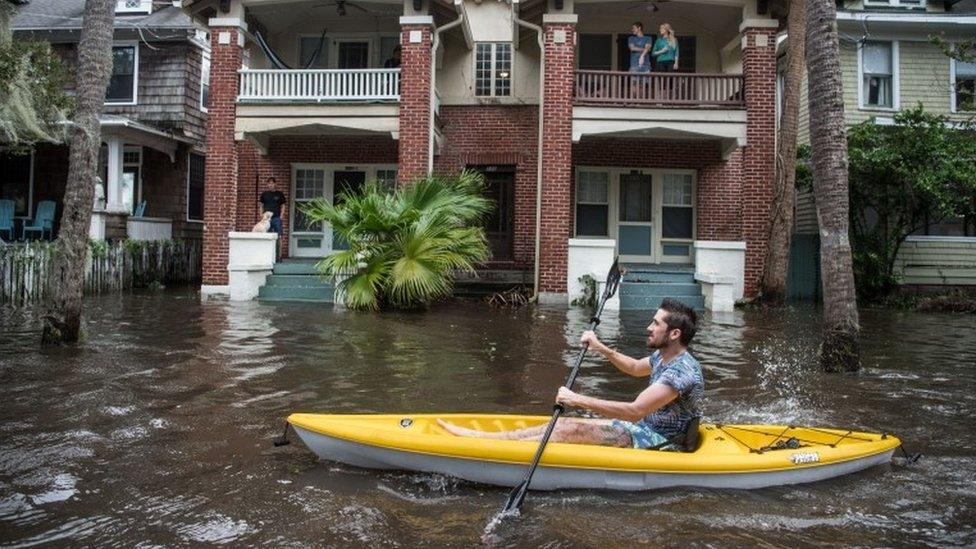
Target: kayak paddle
{"x": 517, "y": 495}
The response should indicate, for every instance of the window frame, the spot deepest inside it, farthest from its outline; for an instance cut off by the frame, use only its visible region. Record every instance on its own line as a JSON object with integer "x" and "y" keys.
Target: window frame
{"x": 203, "y": 192}
{"x": 205, "y": 82}
{"x": 135, "y": 75}
{"x": 895, "y": 78}
{"x": 577, "y": 202}
{"x": 953, "y": 79}
{"x": 493, "y": 71}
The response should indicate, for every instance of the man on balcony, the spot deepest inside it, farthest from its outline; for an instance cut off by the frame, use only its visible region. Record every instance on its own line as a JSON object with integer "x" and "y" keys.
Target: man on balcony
{"x": 640, "y": 55}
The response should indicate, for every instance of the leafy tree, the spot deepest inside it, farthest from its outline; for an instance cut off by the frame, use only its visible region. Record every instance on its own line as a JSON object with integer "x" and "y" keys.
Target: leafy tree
{"x": 33, "y": 104}
{"x": 404, "y": 245}
{"x": 920, "y": 170}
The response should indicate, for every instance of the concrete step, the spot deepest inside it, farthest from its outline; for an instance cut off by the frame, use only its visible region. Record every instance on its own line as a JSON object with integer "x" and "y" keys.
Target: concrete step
{"x": 660, "y": 277}
{"x": 659, "y": 289}
{"x": 295, "y": 267}
{"x": 650, "y": 303}
{"x": 304, "y": 280}
{"x": 316, "y": 294}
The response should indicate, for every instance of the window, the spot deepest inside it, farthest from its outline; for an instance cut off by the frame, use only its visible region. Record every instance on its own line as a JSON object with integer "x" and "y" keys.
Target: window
{"x": 386, "y": 179}
{"x": 387, "y": 45}
{"x": 126, "y": 7}
{"x": 307, "y": 47}
{"x": 964, "y": 86}
{"x": 592, "y": 204}
{"x": 309, "y": 185}
{"x": 493, "y": 69}
{"x": 677, "y": 207}
{"x": 205, "y": 82}
{"x": 131, "y": 185}
{"x": 122, "y": 85}
{"x": 877, "y": 73}
{"x": 15, "y": 184}
{"x": 353, "y": 55}
{"x": 196, "y": 173}
{"x": 595, "y": 52}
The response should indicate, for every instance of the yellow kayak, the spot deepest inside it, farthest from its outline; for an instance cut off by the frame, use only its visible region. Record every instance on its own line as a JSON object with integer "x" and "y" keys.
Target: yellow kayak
{"x": 728, "y": 456}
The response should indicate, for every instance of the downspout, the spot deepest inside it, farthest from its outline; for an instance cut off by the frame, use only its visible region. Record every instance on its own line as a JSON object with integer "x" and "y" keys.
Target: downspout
{"x": 433, "y": 85}
{"x": 538, "y": 161}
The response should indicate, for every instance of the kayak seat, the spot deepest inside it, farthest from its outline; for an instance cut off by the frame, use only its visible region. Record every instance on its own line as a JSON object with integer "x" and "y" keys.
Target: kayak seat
{"x": 687, "y": 442}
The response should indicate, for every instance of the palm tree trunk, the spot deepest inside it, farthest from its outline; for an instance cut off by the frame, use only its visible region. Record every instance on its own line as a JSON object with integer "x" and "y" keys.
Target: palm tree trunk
{"x": 840, "y": 348}
{"x": 784, "y": 191}
{"x": 93, "y": 72}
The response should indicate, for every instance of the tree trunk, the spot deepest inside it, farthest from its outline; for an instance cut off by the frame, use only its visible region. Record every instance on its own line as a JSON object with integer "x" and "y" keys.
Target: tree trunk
{"x": 840, "y": 348}
{"x": 784, "y": 190}
{"x": 93, "y": 72}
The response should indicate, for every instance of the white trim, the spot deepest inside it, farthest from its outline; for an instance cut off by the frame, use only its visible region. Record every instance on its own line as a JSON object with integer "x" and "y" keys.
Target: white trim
{"x": 875, "y": 17}
{"x": 758, "y": 24}
{"x": 417, "y": 20}
{"x": 895, "y": 78}
{"x": 187, "y": 188}
{"x": 560, "y": 18}
{"x": 135, "y": 74}
{"x": 226, "y": 22}
{"x": 958, "y": 239}
{"x": 719, "y": 245}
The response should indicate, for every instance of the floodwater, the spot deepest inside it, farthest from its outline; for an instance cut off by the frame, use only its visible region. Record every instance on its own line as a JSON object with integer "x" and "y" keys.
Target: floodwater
{"x": 159, "y": 429}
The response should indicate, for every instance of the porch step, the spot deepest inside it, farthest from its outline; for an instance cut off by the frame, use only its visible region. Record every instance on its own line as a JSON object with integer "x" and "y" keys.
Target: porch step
{"x": 302, "y": 280}
{"x": 312, "y": 294}
{"x": 490, "y": 281}
{"x": 296, "y": 267}
{"x": 644, "y": 286}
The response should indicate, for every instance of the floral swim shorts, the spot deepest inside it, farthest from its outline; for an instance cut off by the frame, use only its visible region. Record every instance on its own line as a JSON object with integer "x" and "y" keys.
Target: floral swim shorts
{"x": 642, "y": 435}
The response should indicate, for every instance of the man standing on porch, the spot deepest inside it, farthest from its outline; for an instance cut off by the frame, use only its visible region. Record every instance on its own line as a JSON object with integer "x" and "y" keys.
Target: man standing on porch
{"x": 271, "y": 201}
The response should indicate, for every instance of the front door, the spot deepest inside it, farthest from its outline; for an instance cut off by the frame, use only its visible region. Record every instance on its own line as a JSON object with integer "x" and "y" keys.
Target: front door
{"x": 500, "y": 225}
{"x": 345, "y": 182}
{"x": 635, "y": 222}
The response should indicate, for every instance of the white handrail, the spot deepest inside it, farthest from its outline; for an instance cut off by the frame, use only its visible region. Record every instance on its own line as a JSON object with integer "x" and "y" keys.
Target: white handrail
{"x": 319, "y": 85}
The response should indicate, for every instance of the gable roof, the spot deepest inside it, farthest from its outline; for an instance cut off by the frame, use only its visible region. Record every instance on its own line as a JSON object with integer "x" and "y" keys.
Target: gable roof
{"x": 67, "y": 15}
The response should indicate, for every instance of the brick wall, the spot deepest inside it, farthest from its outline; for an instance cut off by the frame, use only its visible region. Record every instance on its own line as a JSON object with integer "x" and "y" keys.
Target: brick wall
{"x": 497, "y": 135}
{"x": 557, "y": 150}
{"x": 720, "y": 199}
{"x": 254, "y": 170}
{"x": 758, "y": 158}
{"x": 415, "y": 112}
{"x": 220, "y": 198}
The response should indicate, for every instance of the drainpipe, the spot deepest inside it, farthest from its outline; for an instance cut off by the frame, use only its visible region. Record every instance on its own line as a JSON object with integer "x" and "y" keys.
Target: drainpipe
{"x": 538, "y": 176}
{"x": 433, "y": 85}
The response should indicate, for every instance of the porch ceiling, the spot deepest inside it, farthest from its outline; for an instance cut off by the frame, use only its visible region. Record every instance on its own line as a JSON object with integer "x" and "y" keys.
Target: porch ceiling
{"x": 258, "y": 123}
{"x": 718, "y": 20}
{"x": 291, "y": 17}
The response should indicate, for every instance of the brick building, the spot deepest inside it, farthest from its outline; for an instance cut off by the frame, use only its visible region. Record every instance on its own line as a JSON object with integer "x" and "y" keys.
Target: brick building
{"x": 536, "y": 94}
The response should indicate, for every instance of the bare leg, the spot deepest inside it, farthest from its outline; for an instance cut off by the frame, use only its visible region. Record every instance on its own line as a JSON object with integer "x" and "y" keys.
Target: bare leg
{"x": 568, "y": 430}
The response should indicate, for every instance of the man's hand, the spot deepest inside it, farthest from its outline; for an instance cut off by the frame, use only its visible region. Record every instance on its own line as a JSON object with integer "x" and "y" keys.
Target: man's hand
{"x": 589, "y": 336}
{"x": 567, "y": 398}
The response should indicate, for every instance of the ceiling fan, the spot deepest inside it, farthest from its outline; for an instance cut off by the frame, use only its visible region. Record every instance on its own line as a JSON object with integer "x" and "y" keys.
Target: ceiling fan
{"x": 341, "y": 5}
{"x": 649, "y": 7}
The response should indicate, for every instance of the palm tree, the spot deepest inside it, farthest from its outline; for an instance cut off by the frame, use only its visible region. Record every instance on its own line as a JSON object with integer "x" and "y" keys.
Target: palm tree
{"x": 404, "y": 245}
{"x": 784, "y": 192}
{"x": 840, "y": 347}
{"x": 94, "y": 69}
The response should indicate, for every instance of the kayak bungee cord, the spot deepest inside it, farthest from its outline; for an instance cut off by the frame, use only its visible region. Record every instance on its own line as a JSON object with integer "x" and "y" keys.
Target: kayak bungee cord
{"x": 517, "y": 495}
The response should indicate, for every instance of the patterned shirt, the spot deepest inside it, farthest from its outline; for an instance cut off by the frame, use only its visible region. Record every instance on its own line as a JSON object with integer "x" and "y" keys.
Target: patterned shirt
{"x": 683, "y": 374}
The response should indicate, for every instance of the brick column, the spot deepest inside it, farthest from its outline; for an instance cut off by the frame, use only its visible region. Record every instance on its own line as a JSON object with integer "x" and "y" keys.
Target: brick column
{"x": 220, "y": 190}
{"x": 415, "y": 63}
{"x": 758, "y": 158}
{"x": 557, "y": 155}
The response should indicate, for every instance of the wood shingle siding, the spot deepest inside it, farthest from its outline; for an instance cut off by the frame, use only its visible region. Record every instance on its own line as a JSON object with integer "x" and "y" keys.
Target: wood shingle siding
{"x": 938, "y": 261}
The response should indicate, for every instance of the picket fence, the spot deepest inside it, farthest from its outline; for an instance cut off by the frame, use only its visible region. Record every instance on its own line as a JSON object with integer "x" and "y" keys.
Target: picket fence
{"x": 110, "y": 267}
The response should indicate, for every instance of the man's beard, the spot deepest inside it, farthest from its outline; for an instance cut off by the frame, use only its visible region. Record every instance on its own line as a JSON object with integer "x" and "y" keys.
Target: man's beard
{"x": 655, "y": 345}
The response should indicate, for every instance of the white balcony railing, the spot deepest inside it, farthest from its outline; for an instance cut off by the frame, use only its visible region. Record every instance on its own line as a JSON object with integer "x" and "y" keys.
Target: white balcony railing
{"x": 319, "y": 85}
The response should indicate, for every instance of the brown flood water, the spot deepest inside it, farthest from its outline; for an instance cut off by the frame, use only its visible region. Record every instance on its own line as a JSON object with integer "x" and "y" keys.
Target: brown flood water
{"x": 158, "y": 430}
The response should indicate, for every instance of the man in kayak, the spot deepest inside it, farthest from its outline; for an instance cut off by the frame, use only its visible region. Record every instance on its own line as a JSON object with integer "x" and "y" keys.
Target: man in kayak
{"x": 661, "y": 413}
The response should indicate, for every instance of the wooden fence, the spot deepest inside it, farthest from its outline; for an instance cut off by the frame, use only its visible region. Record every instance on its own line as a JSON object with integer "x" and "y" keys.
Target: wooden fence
{"x": 26, "y": 268}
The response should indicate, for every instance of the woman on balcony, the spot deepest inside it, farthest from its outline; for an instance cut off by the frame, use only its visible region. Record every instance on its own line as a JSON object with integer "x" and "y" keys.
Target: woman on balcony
{"x": 665, "y": 50}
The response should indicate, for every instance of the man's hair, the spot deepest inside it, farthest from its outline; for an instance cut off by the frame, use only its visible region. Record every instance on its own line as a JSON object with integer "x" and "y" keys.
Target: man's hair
{"x": 639, "y": 25}
{"x": 272, "y": 178}
{"x": 680, "y": 317}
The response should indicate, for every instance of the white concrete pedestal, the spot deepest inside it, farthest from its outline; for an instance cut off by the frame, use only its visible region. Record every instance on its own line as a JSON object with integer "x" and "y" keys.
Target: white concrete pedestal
{"x": 720, "y": 268}
{"x": 590, "y": 256}
{"x": 251, "y": 259}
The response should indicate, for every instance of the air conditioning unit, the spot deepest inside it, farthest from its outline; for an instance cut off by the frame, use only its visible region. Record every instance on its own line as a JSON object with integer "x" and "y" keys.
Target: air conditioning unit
{"x": 903, "y": 4}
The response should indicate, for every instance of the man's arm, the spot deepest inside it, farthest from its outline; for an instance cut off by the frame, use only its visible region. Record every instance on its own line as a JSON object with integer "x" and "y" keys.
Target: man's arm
{"x": 637, "y": 367}
{"x": 649, "y": 400}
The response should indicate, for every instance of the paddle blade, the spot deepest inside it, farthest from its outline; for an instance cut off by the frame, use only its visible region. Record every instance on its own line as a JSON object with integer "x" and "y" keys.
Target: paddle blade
{"x": 515, "y": 498}
{"x": 613, "y": 279}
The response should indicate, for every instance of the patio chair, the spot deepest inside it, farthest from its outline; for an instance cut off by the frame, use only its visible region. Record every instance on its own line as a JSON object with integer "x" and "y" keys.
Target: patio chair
{"x": 7, "y": 218}
{"x": 43, "y": 221}
{"x": 140, "y": 209}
